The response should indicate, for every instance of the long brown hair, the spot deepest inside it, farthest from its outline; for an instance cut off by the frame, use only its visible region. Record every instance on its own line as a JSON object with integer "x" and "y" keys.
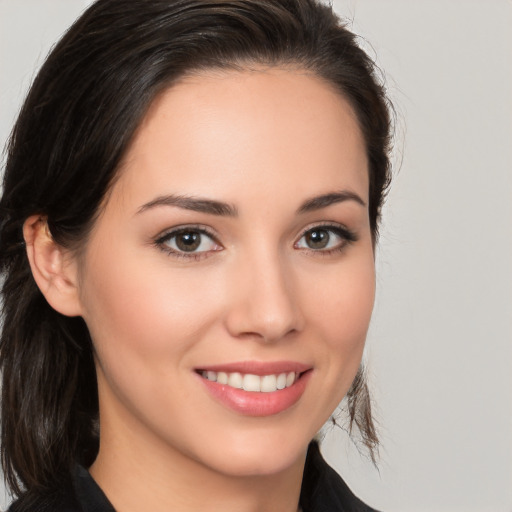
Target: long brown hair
{"x": 63, "y": 155}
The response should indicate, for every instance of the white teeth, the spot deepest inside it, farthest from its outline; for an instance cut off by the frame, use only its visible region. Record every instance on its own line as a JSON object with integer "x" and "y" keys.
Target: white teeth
{"x": 250, "y": 382}
{"x": 268, "y": 383}
{"x": 235, "y": 380}
{"x": 222, "y": 378}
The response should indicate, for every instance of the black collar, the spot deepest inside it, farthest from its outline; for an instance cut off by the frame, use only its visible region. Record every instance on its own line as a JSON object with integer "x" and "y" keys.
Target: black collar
{"x": 323, "y": 490}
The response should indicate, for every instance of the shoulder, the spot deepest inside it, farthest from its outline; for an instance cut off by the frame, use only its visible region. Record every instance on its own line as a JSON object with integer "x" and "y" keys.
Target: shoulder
{"x": 56, "y": 502}
{"x": 81, "y": 495}
{"x": 323, "y": 490}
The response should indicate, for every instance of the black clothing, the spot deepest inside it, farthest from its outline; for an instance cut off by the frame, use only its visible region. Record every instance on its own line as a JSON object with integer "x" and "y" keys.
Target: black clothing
{"x": 323, "y": 490}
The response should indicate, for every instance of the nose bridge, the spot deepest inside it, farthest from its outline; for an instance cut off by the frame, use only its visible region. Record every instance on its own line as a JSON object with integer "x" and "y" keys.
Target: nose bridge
{"x": 264, "y": 304}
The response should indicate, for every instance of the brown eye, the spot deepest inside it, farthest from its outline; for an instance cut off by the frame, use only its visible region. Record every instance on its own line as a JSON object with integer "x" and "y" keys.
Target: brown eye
{"x": 188, "y": 241}
{"x": 317, "y": 238}
{"x": 325, "y": 238}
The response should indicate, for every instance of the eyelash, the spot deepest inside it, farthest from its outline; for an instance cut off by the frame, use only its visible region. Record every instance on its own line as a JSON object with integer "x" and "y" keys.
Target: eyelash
{"x": 161, "y": 242}
{"x": 346, "y": 235}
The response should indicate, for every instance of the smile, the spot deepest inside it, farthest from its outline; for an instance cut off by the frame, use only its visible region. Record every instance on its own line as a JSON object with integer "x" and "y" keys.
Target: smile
{"x": 251, "y": 382}
{"x": 255, "y": 388}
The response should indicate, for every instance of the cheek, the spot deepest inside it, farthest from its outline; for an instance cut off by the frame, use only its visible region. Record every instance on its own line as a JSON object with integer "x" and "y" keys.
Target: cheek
{"x": 342, "y": 300}
{"x": 141, "y": 313}
{"x": 341, "y": 311}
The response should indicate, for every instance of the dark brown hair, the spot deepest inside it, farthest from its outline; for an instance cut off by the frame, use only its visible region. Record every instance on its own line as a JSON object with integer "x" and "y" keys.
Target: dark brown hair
{"x": 65, "y": 149}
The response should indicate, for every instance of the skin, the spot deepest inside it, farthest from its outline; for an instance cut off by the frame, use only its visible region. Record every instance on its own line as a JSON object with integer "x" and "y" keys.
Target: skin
{"x": 265, "y": 142}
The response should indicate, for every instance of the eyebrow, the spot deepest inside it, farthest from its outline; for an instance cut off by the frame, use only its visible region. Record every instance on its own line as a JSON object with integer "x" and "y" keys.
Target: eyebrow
{"x": 325, "y": 200}
{"x": 197, "y": 204}
{"x": 213, "y": 207}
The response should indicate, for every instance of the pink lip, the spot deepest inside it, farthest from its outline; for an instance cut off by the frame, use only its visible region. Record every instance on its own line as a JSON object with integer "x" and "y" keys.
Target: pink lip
{"x": 258, "y": 368}
{"x": 250, "y": 403}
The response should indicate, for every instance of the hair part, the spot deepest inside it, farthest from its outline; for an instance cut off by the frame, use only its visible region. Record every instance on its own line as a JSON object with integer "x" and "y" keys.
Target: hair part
{"x": 63, "y": 157}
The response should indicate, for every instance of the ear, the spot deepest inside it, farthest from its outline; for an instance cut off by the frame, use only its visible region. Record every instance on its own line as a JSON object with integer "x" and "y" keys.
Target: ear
{"x": 54, "y": 268}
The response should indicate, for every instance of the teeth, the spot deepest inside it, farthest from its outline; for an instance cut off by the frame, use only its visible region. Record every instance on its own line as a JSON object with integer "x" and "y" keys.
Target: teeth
{"x": 252, "y": 383}
{"x": 222, "y": 378}
{"x": 268, "y": 383}
{"x": 249, "y": 382}
{"x": 235, "y": 380}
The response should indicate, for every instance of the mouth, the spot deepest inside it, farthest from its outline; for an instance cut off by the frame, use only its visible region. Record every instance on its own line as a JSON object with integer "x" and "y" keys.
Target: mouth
{"x": 253, "y": 389}
{"x": 251, "y": 382}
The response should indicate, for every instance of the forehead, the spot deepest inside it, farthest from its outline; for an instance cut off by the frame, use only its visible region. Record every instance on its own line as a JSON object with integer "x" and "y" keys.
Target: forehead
{"x": 227, "y": 131}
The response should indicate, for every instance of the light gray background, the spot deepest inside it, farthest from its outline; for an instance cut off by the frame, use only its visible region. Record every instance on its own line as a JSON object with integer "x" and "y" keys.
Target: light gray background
{"x": 440, "y": 345}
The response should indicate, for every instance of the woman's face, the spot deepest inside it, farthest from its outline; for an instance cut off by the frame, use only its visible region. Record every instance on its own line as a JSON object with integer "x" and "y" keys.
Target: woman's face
{"x": 235, "y": 247}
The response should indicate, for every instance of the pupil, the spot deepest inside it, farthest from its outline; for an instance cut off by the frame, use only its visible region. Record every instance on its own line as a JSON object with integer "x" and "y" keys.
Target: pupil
{"x": 317, "y": 239}
{"x": 188, "y": 241}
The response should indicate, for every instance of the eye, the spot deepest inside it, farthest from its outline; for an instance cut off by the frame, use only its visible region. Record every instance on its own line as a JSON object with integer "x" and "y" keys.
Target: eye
{"x": 325, "y": 238}
{"x": 188, "y": 241}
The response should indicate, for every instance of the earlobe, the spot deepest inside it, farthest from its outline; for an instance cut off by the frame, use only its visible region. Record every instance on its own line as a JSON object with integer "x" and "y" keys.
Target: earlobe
{"x": 53, "y": 267}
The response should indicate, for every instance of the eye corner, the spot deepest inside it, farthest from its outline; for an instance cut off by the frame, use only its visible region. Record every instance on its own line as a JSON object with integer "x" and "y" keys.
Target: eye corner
{"x": 330, "y": 238}
{"x": 198, "y": 242}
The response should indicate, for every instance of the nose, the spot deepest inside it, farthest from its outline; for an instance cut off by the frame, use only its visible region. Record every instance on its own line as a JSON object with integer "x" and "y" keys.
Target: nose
{"x": 264, "y": 305}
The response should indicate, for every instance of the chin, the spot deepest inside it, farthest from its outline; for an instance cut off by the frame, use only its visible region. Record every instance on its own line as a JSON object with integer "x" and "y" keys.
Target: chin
{"x": 260, "y": 456}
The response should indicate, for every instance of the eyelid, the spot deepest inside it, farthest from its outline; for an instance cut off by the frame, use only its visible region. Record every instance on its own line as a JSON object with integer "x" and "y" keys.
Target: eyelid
{"x": 335, "y": 226}
{"x": 160, "y": 241}
{"x": 200, "y": 228}
{"x": 347, "y": 235}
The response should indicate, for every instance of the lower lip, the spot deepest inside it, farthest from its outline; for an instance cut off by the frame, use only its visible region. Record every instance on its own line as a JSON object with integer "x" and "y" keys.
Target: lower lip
{"x": 253, "y": 403}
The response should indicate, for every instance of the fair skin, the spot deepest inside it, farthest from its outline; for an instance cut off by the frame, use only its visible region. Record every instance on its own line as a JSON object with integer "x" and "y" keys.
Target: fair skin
{"x": 267, "y": 282}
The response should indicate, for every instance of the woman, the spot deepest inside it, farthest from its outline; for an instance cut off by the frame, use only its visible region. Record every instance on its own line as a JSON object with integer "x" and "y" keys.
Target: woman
{"x": 190, "y": 209}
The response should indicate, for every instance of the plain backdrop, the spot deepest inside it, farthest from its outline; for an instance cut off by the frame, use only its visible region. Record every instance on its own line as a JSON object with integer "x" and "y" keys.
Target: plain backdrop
{"x": 440, "y": 345}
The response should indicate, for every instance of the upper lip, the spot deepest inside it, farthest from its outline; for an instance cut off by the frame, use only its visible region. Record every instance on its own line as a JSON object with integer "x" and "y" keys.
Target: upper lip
{"x": 257, "y": 367}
